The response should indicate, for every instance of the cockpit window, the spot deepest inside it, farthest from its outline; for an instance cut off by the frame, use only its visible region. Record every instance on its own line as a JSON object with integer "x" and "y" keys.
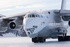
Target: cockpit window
{"x": 29, "y": 15}
{"x": 33, "y": 15}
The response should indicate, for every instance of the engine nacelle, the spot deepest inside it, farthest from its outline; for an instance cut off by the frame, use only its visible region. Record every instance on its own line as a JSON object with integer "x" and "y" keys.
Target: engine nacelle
{"x": 12, "y": 25}
{"x": 15, "y": 24}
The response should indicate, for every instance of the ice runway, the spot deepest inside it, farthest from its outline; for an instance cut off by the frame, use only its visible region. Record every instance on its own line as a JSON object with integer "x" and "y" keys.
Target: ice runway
{"x": 26, "y": 42}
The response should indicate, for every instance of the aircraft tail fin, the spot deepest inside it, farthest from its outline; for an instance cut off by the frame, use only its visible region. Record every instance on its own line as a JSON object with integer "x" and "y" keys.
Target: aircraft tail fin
{"x": 63, "y": 5}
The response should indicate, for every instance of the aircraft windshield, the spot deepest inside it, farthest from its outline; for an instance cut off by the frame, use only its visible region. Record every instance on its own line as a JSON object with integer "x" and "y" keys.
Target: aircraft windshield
{"x": 33, "y": 15}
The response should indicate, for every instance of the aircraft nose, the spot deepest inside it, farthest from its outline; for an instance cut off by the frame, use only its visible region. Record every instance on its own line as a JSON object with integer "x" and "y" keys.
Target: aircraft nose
{"x": 29, "y": 27}
{"x": 30, "y": 30}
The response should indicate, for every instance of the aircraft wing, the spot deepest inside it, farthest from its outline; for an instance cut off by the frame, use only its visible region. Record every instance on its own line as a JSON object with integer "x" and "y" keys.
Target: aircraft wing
{"x": 13, "y": 16}
{"x": 65, "y": 14}
{"x": 6, "y": 23}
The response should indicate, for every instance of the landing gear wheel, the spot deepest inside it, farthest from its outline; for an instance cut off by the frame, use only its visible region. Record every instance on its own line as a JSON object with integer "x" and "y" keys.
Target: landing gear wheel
{"x": 64, "y": 38}
{"x": 35, "y": 40}
{"x": 41, "y": 40}
{"x": 38, "y": 39}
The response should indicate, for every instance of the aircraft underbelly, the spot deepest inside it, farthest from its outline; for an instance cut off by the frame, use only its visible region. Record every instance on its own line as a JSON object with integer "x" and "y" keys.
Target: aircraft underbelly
{"x": 49, "y": 32}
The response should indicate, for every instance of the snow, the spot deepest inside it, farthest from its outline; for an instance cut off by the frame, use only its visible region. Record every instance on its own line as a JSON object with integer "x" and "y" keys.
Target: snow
{"x": 10, "y": 40}
{"x": 26, "y": 42}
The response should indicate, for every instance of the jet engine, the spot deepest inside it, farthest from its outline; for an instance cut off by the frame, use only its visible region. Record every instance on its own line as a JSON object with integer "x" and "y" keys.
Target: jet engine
{"x": 12, "y": 25}
{"x": 16, "y": 24}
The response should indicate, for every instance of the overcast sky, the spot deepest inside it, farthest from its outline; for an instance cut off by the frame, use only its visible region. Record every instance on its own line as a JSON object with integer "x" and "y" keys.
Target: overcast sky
{"x": 10, "y": 7}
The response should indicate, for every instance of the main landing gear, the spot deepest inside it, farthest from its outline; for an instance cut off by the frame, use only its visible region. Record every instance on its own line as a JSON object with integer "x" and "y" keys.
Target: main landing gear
{"x": 38, "y": 39}
{"x": 64, "y": 38}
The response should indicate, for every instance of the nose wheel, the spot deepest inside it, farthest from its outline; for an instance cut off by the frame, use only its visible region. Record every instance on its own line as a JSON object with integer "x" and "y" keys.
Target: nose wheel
{"x": 38, "y": 39}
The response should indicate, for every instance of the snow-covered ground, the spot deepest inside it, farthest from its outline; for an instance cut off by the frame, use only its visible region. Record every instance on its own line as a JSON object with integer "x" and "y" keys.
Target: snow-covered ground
{"x": 10, "y": 40}
{"x": 26, "y": 42}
